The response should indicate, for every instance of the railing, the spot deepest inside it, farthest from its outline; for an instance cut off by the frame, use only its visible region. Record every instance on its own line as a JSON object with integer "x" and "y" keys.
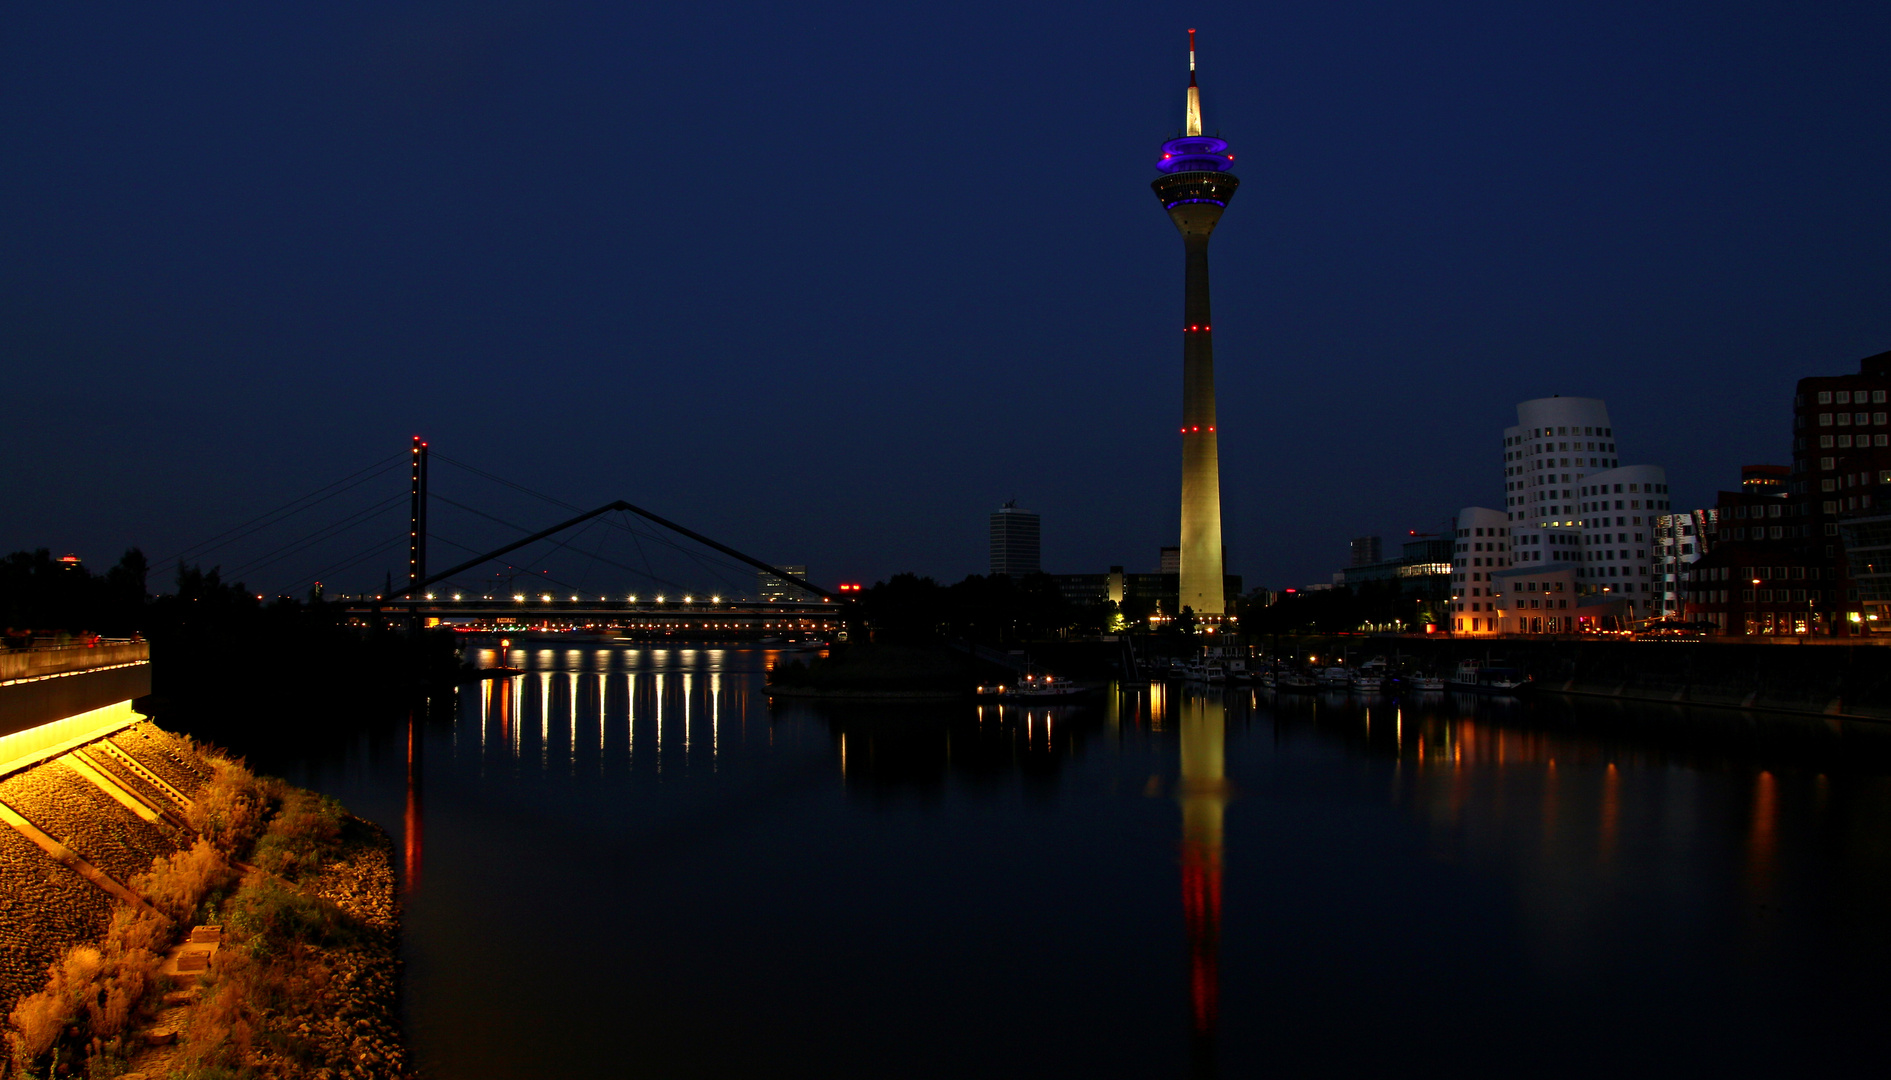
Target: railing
{"x": 49, "y": 644}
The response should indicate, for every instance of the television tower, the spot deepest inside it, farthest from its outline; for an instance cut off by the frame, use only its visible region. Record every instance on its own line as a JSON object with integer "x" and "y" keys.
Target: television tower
{"x": 1195, "y": 187}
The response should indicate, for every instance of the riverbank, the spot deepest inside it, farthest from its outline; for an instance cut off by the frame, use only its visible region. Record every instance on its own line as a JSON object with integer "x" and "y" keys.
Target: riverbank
{"x": 163, "y": 842}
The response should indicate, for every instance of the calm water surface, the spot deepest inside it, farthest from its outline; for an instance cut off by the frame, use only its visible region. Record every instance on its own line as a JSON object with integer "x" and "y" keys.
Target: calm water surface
{"x": 626, "y": 862}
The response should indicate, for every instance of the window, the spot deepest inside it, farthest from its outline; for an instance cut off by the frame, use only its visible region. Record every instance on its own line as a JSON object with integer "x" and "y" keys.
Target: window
{"x": 1825, "y": 397}
{"x": 1827, "y": 463}
{"x": 1843, "y": 397}
{"x": 1825, "y": 418}
{"x": 1825, "y": 442}
{"x": 1878, "y": 419}
{"x": 1877, "y": 397}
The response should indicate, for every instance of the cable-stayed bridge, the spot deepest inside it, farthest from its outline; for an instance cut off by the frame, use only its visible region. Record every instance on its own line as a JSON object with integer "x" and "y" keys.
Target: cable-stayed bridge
{"x": 616, "y": 568}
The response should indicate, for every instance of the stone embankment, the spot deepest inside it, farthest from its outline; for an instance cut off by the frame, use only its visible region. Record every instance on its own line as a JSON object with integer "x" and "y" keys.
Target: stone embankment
{"x": 115, "y": 853}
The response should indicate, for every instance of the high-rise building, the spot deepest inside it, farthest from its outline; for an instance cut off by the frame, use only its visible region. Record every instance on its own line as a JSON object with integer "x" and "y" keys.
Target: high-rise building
{"x": 1366, "y": 550}
{"x": 1482, "y": 549}
{"x": 1169, "y": 560}
{"x": 773, "y": 589}
{"x": 1014, "y": 541}
{"x": 1569, "y": 504}
{"x": 1194, "y": 188}
{"x": 1780, "y": 563}
{"x": 1555, "y": 443}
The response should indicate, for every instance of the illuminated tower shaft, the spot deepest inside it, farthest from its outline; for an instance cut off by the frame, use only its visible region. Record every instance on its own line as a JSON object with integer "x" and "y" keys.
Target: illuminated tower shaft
{"x": 1195, "y": 189}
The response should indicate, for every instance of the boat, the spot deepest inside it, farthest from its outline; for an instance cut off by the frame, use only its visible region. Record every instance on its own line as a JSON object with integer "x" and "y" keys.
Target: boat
{"x": 1205, "y": 671}
{"x": 1295, "y": 682}
{"x": 1039, "y": 687}
{"x": 1366, "y": 683}
{"x": 1426, "y": 683}
{"x": 1337, "y": 676}
{"x": 1476, "y": 678}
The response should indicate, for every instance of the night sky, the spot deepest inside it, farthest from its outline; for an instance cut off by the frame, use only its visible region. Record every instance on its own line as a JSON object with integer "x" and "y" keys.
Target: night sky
{"x": 829, "y": 283}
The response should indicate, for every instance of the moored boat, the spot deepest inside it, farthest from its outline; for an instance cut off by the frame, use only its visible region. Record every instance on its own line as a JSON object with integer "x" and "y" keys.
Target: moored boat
{"x": 1476, "y": 678}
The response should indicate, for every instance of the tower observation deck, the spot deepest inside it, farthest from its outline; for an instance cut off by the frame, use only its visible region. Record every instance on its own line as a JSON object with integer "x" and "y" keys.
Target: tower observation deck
{"x": 1195, "y": 187}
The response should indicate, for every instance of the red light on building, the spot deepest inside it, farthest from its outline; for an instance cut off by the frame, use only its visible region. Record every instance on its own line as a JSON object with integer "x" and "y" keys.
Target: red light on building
{"x": 850, "y": 587}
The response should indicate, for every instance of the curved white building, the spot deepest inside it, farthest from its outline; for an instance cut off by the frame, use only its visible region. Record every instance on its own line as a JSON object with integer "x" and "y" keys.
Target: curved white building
{"x": 1556, "y": 442}
{"x": 1482, "y": 549}
{"x": 1618, "y": 509}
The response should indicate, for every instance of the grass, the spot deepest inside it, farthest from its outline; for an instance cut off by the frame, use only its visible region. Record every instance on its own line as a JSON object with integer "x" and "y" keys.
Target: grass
{"x": 94, "y": 994}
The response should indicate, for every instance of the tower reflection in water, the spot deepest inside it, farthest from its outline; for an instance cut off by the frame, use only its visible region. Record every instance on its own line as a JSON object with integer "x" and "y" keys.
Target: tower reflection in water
{"x": 1203, "y": 793}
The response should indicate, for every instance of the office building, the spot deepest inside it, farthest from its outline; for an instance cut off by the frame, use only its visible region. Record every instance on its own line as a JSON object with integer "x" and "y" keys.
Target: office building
{"x": 1014, "y": 541}
{"x": 1194, "y": 188}
{"x": 773, "y": 589}
{"x": 1366, "y": 551}
{"x": 1481, "y": 549}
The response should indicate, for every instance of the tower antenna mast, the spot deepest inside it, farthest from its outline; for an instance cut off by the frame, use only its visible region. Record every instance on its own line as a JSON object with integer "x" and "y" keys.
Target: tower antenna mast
{"x": 1194, "y": 125}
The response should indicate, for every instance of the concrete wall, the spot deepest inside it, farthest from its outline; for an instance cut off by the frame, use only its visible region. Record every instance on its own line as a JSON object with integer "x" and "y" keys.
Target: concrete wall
{"x": 1833, "y": 680}
{"x": 29, "y": 664}
{"x": 40, "y": 687}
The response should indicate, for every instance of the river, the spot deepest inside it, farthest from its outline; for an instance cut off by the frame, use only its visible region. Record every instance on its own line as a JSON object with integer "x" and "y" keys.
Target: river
{"x": 628, "y": 863}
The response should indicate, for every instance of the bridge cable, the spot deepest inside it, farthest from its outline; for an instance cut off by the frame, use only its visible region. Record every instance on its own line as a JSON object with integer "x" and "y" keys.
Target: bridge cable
{"x": 623, "y": 524}
{"x": 204, "y": 546}
{"x": 608, "y": 562}
{"x": 350, "y": 561}
{"x": 327, "y": 532}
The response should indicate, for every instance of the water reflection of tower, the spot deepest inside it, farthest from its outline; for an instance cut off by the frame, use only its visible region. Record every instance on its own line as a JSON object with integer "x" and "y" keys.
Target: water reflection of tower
{"x": 411, "y": 816}
{"x": 1203, "y": 794}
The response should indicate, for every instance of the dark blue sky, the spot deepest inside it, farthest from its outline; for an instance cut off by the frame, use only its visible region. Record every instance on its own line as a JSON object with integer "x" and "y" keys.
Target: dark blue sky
{"x": 830, "y": 282}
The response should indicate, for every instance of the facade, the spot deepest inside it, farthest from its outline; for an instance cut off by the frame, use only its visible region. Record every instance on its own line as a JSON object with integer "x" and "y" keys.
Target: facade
{"x": 1366, "y": 551}
{"x": 1537, "y": 600}
{"x": 1194, "y": 188}
{"x": 1423, "y": 569}
{"x": 1780, "y": 562}
{"x": 1759, "y": 575}
{"x": 1681, "y": 540}
{"x": 1867, "y": 542}
{"x": 773, "y": 590}
{"x": 1556, "y": 442}
{"x": 1481, "y": 549}
{"x": 1841, "y": 471}
{"x": 1618, "y": 508}
{"x": 1014, "y": 541}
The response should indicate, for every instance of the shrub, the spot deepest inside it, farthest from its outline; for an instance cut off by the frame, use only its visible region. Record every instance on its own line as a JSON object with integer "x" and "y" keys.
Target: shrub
{"x": 304, "y": 834}
{"x": 176, "y": 884}
{"x": 229, "y": 810}
{"x": 271, "y": 915}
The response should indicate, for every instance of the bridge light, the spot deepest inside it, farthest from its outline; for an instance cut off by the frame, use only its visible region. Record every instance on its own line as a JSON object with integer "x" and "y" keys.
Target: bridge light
{"x": 688, "y": 599}
{"x": 545, "y": 597}
{"x": 520, "y": 597}
{"x": 633, "y": 598}
{"x": 456, "y": 596}
{"x": 429, "y": 596}
{"x": 715, "y": 599}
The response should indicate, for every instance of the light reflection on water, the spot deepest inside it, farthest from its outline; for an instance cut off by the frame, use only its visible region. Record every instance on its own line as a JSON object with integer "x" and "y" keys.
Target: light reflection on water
{"x": 633, "y": 848}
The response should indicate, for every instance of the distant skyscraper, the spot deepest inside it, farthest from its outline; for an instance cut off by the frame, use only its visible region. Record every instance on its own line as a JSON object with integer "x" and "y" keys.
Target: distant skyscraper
{"x": 1195, "y": 188}
{"x": 1014, "y": 541}
{"x": 774, "y": 590}
{"x": 1170, "y": 560}
{"x": 1366, "y": 551}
